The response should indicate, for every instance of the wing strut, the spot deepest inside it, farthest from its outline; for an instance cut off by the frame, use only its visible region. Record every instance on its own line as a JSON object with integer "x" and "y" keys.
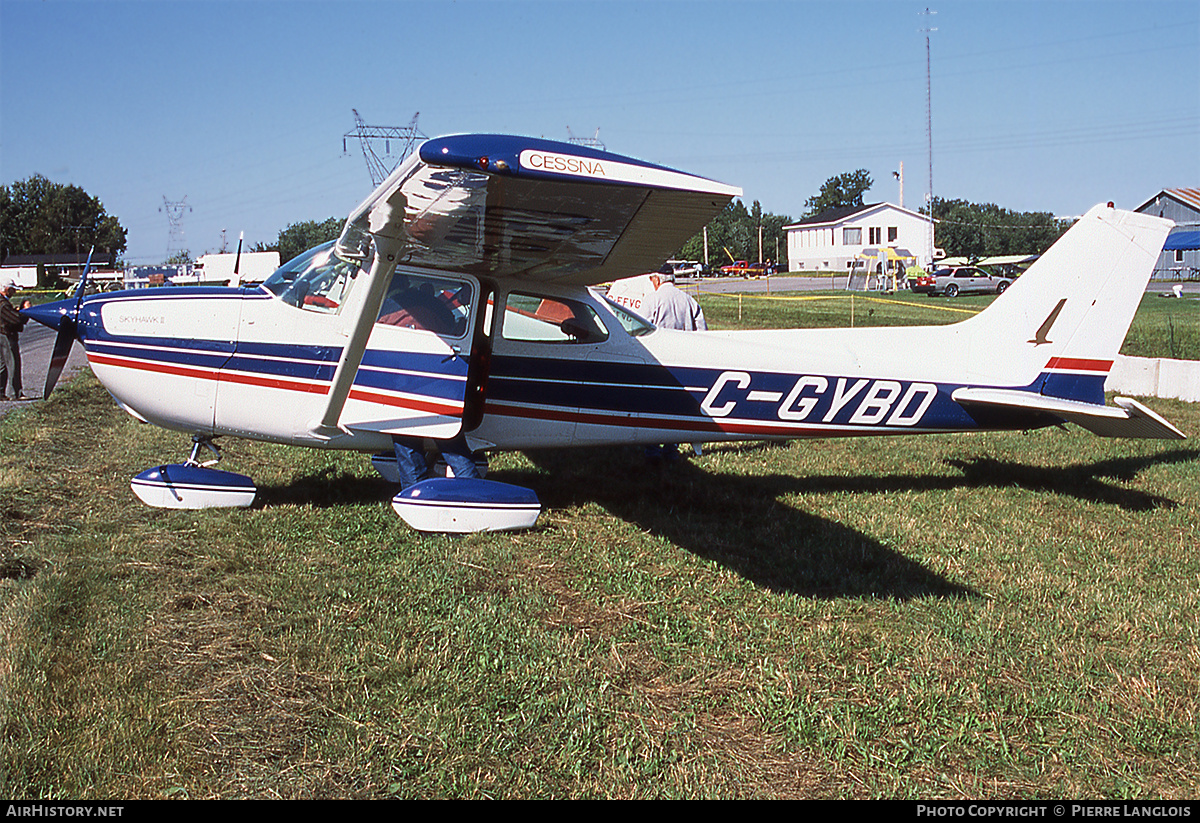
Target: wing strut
{"x": 386, "y": 226}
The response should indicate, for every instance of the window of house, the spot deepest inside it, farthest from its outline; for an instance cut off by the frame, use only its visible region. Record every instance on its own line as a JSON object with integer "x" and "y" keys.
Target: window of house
{"x": 893, "y": 233}
{"x": 852, "y": 237}
{"x": 875, "y": 233}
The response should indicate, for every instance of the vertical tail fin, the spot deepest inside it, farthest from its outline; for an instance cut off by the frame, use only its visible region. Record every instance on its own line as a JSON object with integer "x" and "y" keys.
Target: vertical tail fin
{"x": 1059, "y": 327}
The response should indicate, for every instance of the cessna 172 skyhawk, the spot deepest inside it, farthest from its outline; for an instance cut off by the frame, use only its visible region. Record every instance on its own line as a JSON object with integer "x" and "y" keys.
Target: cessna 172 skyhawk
{"x": 457, "y": 300}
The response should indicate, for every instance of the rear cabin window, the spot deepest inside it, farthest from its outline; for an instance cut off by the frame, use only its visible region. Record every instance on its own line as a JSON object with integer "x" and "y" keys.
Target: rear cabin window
{"x": 541, "y": 319}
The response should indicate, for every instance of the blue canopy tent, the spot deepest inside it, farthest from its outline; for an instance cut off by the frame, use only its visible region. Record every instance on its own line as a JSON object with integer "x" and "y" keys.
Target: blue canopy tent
{"x": 1180, "y": 259}
{"x": 1187, "y": 240}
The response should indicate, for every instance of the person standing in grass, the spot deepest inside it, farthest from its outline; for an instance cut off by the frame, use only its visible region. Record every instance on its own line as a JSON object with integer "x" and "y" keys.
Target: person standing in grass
{"x": 669, "y": 308}
{"x": 11, "y": 325}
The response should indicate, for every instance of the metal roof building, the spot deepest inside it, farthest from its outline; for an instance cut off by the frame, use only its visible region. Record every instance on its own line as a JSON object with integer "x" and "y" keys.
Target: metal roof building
{"x": 1180, "y": 259}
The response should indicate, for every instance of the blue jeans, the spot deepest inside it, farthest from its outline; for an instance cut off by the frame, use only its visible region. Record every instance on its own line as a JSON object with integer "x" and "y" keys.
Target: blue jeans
{"x": 410, "y": 458}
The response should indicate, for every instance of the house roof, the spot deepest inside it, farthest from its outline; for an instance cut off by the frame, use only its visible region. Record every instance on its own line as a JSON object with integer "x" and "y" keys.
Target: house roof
{"x": 834, "y": 215}
{"x": 844, "y": 213}
{"x": 1188, "y": 196}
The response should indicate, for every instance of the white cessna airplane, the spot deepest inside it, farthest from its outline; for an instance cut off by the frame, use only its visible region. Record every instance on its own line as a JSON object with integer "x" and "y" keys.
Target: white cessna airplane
{"x": 457, "y": 300}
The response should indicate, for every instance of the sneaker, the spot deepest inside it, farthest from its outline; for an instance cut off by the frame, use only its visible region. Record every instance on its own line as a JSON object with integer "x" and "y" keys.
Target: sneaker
{"x": 3, "y": 397}
{"x": 21, "y": 396}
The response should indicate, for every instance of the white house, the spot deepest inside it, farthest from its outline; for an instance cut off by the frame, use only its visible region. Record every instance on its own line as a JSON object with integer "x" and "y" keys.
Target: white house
{"x": 831, "y": 240}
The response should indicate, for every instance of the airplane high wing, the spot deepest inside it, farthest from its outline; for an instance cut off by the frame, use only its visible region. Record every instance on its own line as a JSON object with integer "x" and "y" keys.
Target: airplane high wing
{"x": 499, "y": 206}
{"x": 456, "y": 302}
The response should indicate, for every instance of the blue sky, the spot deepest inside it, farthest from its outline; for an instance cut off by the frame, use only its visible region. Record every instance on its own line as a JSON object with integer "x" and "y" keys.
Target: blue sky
{"x": 241, "y": 106}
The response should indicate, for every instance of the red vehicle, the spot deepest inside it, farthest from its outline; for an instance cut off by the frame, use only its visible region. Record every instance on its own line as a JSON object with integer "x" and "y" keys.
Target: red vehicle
{"x": 741, "y": 268}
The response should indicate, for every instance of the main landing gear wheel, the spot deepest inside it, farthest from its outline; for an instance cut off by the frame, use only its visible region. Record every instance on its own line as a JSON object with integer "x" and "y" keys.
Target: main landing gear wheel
{"x": 193, "y": 485}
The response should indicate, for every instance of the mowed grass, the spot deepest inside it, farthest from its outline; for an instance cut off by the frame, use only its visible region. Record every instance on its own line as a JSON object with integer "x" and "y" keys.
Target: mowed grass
{"x": 1162, "y": 327}
{"x": 1006, "y": 616}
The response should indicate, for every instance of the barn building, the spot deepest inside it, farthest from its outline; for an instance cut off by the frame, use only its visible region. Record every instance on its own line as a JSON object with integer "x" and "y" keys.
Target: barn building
{"x": 1180, "y": 259}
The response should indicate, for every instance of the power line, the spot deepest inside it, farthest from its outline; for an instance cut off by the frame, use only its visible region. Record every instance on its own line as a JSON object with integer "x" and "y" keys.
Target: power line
{"x": 591, "y": 142}
{"x": 371, "y": 138}
{"x": 176, "y": 241}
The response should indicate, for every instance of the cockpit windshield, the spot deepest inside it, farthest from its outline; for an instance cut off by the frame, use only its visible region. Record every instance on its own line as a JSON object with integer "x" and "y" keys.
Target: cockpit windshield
{"x": 318, "y": 280}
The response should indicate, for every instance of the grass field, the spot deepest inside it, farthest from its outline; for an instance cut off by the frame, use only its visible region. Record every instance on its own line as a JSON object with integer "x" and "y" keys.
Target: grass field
{"x": 1162, "y": 327}
{"x": 1007, "y": 616}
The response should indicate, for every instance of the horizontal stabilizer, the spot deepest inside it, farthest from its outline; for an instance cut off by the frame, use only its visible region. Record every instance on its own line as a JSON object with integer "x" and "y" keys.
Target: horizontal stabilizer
{"x": 1129, "y": 419}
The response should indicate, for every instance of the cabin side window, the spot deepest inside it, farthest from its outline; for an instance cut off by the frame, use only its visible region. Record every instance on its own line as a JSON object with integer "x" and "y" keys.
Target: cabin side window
{"x": 427, "y": 302}
{"x": 634, "y": 325}
{"x": 541, "y": 319}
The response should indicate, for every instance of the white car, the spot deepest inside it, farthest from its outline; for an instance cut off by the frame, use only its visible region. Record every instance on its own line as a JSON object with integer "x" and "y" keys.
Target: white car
{"x": 686, "y": 268}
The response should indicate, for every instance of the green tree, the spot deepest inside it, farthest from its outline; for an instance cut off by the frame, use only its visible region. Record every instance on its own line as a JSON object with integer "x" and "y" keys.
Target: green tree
{"x": 38, "y": 216}
{"x": 975, "y": 230}
{"x": 298, "y": 238}
{"x": 839, "y": 192}
{"x": 733, "y": 233}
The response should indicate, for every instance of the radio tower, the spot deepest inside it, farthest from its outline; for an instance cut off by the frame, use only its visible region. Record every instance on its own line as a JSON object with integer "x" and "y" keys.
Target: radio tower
{"x": 592, "y": 142}
{"x": 377, "y": 143}
{"x": 929, "y": 125}
{"x": 176, "y": 243}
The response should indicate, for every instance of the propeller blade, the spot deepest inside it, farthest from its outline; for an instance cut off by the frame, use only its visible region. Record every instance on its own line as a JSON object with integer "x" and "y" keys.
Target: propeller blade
{"x": 62, "y": 350}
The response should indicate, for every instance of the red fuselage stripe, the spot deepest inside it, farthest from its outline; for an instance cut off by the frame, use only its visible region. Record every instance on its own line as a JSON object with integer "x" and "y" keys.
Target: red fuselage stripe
{"x": 430, "y": 406}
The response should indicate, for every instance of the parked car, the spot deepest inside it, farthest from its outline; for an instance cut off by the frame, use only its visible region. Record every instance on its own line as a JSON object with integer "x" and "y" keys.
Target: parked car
{"x": 686, "y": 268}
{"x": 957, "y": 280}
{"x": 741, "y": 268}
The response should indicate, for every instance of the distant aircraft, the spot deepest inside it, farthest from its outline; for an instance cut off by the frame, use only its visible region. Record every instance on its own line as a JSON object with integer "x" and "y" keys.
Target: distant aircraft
{"x": 457, "y": 299}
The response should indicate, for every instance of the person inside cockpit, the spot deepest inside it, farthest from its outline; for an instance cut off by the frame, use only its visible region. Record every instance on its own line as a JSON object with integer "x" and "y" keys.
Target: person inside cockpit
{"x": 414, "y": 305}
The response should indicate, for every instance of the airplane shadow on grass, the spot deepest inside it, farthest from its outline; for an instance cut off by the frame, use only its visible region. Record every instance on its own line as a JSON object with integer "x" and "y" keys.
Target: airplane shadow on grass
{"x": 738, "y": 521}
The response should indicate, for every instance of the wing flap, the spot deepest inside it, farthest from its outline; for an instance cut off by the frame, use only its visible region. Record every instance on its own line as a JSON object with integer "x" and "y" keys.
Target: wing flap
{"x": 1129, "y": 419}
